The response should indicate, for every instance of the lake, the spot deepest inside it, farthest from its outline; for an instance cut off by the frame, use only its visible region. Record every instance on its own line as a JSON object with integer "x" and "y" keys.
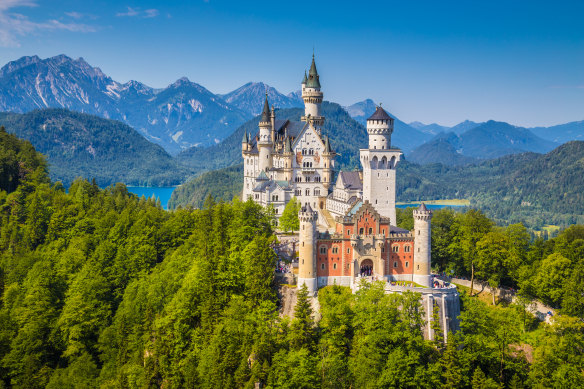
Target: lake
{"x": 162, "y": 193}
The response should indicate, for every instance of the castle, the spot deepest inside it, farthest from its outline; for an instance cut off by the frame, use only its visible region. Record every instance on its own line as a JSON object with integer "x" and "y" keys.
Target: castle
{"x": 348, "y": 231}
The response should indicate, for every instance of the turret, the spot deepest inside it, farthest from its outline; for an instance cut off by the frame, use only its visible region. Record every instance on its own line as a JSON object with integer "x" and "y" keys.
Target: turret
{"x": 380, "y": 128}
{"x": 288, "y": 157}
{"x": 265, "y": 143}
{"x": 245, "y": 142}
{"x": 422, "y": 246}
{"x": 307, "y": 249}
{"x": 312, "y": 97}
{"x": 328, "y": 157}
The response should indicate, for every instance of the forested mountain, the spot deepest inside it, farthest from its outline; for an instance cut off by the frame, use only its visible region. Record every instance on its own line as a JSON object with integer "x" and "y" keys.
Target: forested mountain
{"x": 532, "y": 188}
{"x": 177, "y": 117}
{"x": 442, "y": 149}
{"x": 486, "y": 141}
{"x": 250, "y": 98}
{"x": 101, "y": 289}
{"x": 432, "y": 129}
{"x": 82, "y": 145}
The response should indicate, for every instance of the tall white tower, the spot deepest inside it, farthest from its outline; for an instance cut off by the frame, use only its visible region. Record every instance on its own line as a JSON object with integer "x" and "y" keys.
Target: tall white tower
{"x": 312, "y": 96}
{"x": 422, "y": 245}
{"x": 266, "y": 141}
{"x": 307, "y": 249}
{"x": 379, "y": 162}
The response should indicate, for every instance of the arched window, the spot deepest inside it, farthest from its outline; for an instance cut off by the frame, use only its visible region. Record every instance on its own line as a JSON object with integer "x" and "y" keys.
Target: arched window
{"x": 407, "y": 264}
{"x": 395, "y": 264}
{"x": 407, "y": 248}
{"x": 323, "y": 249}
{"x": 307, "y": 192}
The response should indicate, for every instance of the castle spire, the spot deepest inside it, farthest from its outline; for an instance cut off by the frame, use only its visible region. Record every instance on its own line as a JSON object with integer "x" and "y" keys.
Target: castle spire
{"x": 313, "y": 81}
{"x": 305, "y": 79}
{"x": 266, "y": 110}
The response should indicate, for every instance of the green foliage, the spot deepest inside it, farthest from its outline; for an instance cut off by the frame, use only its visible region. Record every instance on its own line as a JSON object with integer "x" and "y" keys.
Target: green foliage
{"x": 289, "y": 219}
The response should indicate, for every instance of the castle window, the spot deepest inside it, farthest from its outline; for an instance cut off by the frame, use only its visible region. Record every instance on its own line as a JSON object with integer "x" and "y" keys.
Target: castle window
{"x": 307, "y": 179}
{"x": 418, "y": 267}
{"x": 407, "y": 249}
{"x": 317, "y": 192}
{"x": 370, "y": 231}
{"x": 335, "y": 250}
{"x": 334, "y": 266}
{"x": 383, "y": 249}
{"x": 348, "y": 251}
{"x": 407, "y": 263}
{"x": 323, "y": 250}
{"x": 418, "y": 249}
{"x": 308, "y": 192}
{"x": 360, "y": 231}
{"x": 395, "y": 249}
{"x": 395, "y": 264}
{"x": 322, "y": 266}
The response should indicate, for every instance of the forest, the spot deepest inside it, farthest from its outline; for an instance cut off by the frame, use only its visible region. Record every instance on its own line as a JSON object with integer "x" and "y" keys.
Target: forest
{"x": 103, "y": 289}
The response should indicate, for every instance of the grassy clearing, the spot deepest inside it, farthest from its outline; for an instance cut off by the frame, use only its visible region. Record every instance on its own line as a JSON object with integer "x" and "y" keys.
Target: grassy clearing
{"x": 484, "y": 296}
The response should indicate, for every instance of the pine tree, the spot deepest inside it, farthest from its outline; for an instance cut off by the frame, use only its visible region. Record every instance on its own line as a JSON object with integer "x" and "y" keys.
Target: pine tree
{"x": 515, "y": 382}
{"x": 453, "y": 372}
{"x": 435, "y": 325}
{"x": 302, "y": 328}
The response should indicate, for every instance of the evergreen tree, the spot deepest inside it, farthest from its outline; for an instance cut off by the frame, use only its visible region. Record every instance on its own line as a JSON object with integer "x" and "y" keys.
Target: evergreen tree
{"x": 302, "y": 328}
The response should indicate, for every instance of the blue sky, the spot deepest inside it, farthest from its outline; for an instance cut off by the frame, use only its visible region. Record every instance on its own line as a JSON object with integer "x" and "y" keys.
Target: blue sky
{"x": 432, "y": 61}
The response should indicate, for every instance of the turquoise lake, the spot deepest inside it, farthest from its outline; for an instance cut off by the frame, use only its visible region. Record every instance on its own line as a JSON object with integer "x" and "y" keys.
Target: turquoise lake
{"x": 162, "y": 193}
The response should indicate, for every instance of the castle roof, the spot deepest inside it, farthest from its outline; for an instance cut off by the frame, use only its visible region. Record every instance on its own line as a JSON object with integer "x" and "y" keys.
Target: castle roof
{"x": 379, "y": 114}
{"x": 266, "y": 110}
{"x": 423, "y": 208}
{"x": 351, "y": 180}
{"x": 327, "y": 145}
{"x": 313, "y": 81}
{"x": 305, "y": 79}
{"x": 245, "y": 138}
{"x": 262, "y": 176}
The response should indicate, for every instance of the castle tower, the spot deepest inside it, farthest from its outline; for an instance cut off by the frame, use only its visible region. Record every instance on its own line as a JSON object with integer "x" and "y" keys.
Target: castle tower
{"x": 328, "y": 157}
{"x": 265, "y": 143}
{"x": 379, "y": 162}
{"x": 288, "y": 157}
{"x": 248, "y": 167}
{"x": 312, "y": 97}
{"x": 307, "y": 249}
{"x": 422, "y": 245}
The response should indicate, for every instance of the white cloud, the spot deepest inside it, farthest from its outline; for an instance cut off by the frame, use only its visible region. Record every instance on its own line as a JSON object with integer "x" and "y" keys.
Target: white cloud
{"x": 14, "y": 25}
{"x": 132, "y": 12}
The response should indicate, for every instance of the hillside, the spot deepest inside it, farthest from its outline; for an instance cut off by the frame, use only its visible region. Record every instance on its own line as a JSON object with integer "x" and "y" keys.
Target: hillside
{"x": 223, "y": 184}
{"x": 339, "y": 126}
{"x": 441, "y": 149}
{"x": 82, "y": 145}
{"x": 561, "y": 133}
{"x": 177, "y": 117}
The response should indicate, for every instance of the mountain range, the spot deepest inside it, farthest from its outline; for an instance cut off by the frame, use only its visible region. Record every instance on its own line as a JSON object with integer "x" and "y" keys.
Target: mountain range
{"x": 485, "y": 141}
{"x": 250, "y": 98}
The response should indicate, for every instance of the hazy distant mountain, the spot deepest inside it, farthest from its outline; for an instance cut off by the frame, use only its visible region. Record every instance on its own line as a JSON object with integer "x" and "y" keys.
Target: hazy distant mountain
{"x": 250, "y": 98}
{"x": 82, "y": 145}
{"x": 561, "y": 133}
{"x": 488, "y": 140}
{"x": 177, "y": 117}
{"x": 463, "y": 127}
{"x": 431, "y": 129}
{"x": 404, "y": 136}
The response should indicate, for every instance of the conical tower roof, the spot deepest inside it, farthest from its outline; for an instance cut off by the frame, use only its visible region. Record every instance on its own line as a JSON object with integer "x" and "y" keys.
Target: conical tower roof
{"x": 245, "y": 138}
{"x": 305, "y": 79}
{"x": 423, "y": 208}
{"x": 288, "y": 145}
{"x": 266, "y": 110}
{"x": 313, "y": 81}
{"x": 379, "y": 114}
{"x": 327, "y": 145}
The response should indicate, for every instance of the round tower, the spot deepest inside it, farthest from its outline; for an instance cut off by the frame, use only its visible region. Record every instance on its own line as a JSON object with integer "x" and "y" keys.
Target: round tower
{"x": 312, "y": 96}
{"x": 380, "y": 128}
{"x": 422, "y": 246}
{"x": 307, "y": 249}
{"x": 265, "y": 143}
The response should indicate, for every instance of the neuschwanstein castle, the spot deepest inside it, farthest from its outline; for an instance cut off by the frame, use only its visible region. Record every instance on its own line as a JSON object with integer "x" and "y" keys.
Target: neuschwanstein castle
{"x": 347, "y": 230}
